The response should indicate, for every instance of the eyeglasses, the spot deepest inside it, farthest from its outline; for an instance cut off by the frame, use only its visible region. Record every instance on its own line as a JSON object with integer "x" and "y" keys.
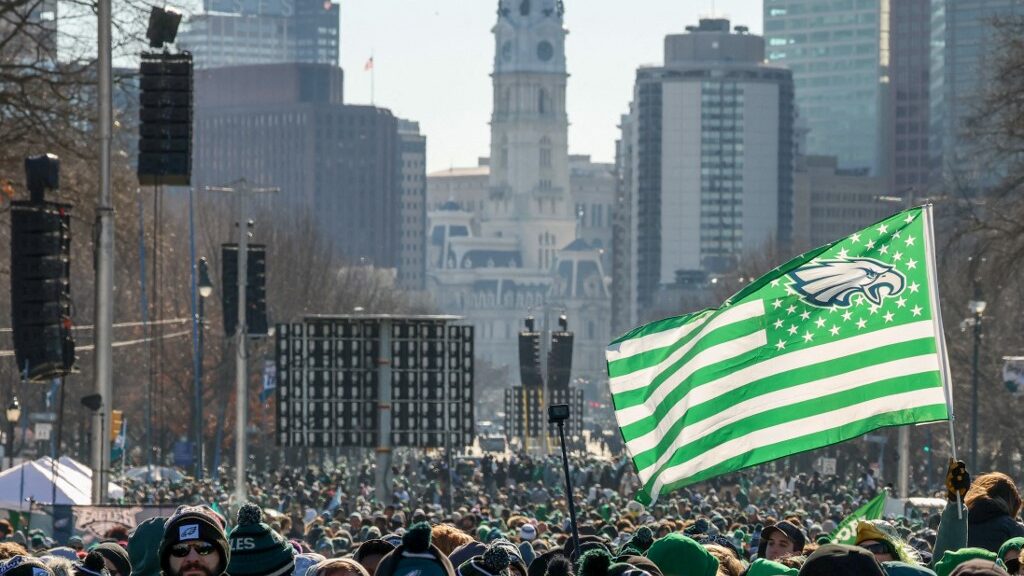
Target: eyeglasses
{"x": 1013, "y": 566}
{"x": 201, "y": 548}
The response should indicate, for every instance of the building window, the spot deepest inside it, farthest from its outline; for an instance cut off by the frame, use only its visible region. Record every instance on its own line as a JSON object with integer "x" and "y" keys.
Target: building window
{"x": 545, "y": 152}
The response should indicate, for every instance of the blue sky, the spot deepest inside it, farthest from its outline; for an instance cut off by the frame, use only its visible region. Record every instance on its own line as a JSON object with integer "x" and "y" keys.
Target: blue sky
{"x": 433, "y": 59}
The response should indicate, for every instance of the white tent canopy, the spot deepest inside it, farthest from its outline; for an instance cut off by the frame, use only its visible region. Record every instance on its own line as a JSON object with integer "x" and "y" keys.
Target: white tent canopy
{"x": 80, "y": 475}
{"x": 33, "y": 481}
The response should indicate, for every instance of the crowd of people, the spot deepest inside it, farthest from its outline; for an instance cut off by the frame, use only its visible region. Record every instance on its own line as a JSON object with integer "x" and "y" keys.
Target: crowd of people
{"x": 508, "y": 517}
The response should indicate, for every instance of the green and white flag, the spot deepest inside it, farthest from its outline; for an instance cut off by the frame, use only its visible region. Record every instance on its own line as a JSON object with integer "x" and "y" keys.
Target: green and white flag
{"x": 846, "y": 532}
{"x": 839, "y": 341}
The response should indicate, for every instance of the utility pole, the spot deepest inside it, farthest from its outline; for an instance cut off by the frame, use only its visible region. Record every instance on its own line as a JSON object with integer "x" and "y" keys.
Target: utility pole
{"x": 104, "y": 271}
{"x": 243, "y": 189}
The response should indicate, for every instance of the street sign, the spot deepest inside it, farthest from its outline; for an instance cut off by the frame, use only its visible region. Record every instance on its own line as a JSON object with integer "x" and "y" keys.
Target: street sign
{"x": 43, "y": 430}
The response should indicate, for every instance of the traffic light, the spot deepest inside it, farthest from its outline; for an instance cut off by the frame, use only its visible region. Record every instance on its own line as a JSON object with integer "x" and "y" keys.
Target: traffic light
{"x": 165, "y": 114}
{"x": 116, "y": 420}
{"x": 255, "y": 289}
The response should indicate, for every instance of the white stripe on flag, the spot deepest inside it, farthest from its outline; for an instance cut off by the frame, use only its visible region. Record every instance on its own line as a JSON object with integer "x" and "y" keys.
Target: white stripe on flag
{"x": 634, "y": 346}
{"x": 774, "y": 400}
{"x": 642, "y": 378}
{"x": 791, "y": 430}
{"x": 713, "y": 355}
{"x": 773, "y": 367}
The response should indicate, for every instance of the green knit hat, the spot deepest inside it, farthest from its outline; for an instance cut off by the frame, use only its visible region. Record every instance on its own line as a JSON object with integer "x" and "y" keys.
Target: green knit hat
{"x": 951, "y": 559}
{"x": 762, "y": 567}
{"x": 1011, "y": 544}
{"x": 256, "y": 549}
{"x": 680, "y": 555}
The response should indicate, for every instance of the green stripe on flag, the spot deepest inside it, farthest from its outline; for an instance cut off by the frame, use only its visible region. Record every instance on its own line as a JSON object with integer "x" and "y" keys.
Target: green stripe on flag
{"x": 841, "y": 339}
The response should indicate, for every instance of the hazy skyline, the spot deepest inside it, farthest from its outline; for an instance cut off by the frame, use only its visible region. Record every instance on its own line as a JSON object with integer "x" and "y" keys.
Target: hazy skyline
{"x": 432, "y": 64}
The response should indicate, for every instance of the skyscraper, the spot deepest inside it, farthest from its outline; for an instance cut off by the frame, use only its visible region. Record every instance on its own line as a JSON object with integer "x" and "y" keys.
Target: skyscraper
{"x": 861, "y": 75}
{"x": 709, "y": 146}
{"x": 242, "y": 32}
{"x": 962, "y": 35}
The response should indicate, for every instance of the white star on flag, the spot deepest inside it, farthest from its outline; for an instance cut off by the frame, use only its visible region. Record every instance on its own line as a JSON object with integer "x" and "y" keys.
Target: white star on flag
{"x": 846, "y": 315}
{"x": 883, "y": 229}
{"x": 792, "y": 330}
{"x": 843, "y": 253}
{"x": 912, "y": 264}
{"x": 862, "y": 323}
{"x": 916, "y": 310}
{"x": 898, "y": 255}
{"x": 820, "y": 322}
{"x": 855, "y": 238}
{"x": 791, "y": 309}
{"x": 808, "y": 336}
{"x": 870, "y": 244}
{"x": 914, "y": 287}
{"x": 777, "y": 304}
{"x": 780, "y": 345}
{"x": 909, "y": 240}
{"x": 909, "y": 219}
{"x": 834, "y": 330}
{"x": 888, "y": 317}
{"x": 901, "y": 302}
{"x": 778, "y": 324}
{"x": 883, "y": 250}
{"x": 805, "y": 315}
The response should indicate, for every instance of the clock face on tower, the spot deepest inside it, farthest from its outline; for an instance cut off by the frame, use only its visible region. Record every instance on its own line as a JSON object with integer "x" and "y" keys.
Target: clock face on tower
{"x": 545, "y": 51}
{"x": 506, "y": 51}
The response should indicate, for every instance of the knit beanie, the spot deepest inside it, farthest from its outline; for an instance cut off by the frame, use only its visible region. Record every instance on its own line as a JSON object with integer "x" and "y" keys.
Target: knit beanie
{"x": 639, "y": 562}
{"x": 467, "y": 551}
{"x": 192, "y": 524}
{"x": 763, "y": 567}
{"x": 559, "y": 566}
{"x": 639, "y": 543}
{"x": 494, "y": 562}
{"x": 540, "y": 564}
{"x": 841, "y": 560}
{"x": 679, "y": 555}
{"x": 594, "y": 563}
{"x": 91, "y": 565}
{"x": 256, "y": 549}
{"x": 24, "y": 566}
{"x": 64, "y": 552}
{"x": 979, "y": 568}
{"x": 953, "y": 558}
{"x": 1011, "y": 544}
{"x": 117, "y": 555}
{"x": 304, "y": 561}
{"x": 416, "y": 555}
{"x": 144, "y": 547}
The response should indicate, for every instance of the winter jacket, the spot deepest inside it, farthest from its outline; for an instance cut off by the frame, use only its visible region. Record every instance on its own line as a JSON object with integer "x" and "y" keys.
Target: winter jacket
{"x": 952, "y": 534}
{"x": 990, "y": 524}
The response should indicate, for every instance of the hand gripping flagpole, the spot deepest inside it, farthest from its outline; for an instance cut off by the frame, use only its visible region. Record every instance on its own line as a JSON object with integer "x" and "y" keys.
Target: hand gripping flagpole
{"x": 947, "y": 379}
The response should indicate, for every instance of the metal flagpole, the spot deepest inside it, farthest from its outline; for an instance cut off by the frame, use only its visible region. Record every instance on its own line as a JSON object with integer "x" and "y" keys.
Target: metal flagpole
{"x": 104, "y": 313}
{"x": 933, "y": 291}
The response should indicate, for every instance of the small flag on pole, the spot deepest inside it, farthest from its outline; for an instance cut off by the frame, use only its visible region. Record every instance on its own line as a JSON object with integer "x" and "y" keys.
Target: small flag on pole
{"x": 269, "y": 381}
{"x": 369, "y": 65}
{"x": 846, "y": 532}
{"x": 839, "y": 341}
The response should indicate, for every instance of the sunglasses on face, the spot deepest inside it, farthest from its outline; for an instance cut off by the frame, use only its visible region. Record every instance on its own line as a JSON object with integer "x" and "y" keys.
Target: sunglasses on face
{"x": 877, "y": 548}
{"x": 201, "y": 548}
{"x": 1013, "y": 566}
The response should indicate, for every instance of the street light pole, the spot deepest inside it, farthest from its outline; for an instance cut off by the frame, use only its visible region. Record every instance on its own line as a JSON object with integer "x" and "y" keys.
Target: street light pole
{"x": 243, "y": 189}
{"x": 204, "y": 289}
{"x": 977, "y": 309}
{"x": 13, "y": 415}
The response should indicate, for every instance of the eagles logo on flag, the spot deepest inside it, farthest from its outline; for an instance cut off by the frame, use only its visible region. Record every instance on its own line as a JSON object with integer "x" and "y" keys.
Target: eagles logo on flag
{"x": 830, "y": 283}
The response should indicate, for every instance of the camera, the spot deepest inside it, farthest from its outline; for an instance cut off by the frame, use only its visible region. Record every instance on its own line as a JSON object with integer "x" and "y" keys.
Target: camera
{"x": 558, "y": 413}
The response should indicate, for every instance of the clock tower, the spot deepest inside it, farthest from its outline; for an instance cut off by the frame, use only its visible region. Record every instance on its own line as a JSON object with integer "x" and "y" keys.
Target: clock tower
{"x": 529, "y": 177}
